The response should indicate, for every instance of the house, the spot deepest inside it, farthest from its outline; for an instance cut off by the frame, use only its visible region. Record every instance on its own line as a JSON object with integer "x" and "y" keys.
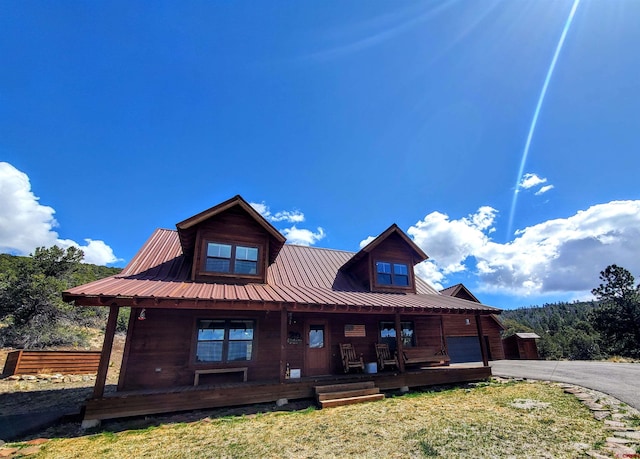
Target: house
{"x": 225, "y": 313}
{"x": 467, "y": 348}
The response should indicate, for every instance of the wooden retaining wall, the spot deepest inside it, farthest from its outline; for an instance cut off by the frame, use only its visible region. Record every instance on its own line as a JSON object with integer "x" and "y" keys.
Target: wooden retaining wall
{"x": 24, "y": 362}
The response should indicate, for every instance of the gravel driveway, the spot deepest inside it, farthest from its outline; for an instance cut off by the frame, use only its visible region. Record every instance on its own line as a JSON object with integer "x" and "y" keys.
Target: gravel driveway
{"x": 621, "y": 380}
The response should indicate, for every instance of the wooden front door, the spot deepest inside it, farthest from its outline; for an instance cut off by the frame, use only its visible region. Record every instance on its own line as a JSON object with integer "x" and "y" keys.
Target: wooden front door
{"x": 316, "y": 358}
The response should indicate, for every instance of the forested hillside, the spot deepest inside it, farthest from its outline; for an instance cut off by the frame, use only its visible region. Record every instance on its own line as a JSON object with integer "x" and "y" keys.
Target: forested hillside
{"x": 607, "y": 327}
{"x": 32, "y": 313}
{"x": 565, "y": 329}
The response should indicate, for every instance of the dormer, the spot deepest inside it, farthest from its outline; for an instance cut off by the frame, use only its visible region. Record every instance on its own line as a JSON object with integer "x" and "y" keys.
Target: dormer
{"x": 386, "y": 263}
{"x": 230, "y": 243}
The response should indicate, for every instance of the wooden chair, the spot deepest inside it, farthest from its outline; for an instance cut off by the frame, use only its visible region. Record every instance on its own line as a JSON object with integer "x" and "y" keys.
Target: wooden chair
{"x": 350, "y": 360}
{"x": 385, "y": 359}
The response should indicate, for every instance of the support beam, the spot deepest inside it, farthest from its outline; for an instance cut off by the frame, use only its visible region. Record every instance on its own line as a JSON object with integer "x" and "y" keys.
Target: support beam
{"x": 483, "y": 344}
{"x": 399, "y": 343}
{"x": 107, "y": 345}
{"x": 284, "y": 318}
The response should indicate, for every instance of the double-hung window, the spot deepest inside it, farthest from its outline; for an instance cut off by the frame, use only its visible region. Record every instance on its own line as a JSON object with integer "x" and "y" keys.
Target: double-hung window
{"x": 394, "y": 274}
{"x": 224, "y": 340}
{"x": 231, "y": 259}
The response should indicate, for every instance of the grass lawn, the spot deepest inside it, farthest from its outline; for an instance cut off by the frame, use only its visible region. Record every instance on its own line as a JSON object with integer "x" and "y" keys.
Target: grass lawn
{"x": 495, "y": 420}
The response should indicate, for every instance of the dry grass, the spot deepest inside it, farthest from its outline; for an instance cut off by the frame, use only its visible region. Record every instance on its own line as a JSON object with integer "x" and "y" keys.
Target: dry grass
{"x": 490, "y": 421}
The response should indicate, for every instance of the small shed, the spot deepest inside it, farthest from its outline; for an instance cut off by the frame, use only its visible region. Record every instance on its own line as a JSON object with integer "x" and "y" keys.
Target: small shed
{"x": 521, "y": 346}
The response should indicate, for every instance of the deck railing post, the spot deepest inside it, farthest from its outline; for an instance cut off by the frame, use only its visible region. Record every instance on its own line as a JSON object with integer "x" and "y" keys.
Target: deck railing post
{"x": 103, "y": 367}
{"x": 283, "y": 343}
{"x": 483, "y": 344}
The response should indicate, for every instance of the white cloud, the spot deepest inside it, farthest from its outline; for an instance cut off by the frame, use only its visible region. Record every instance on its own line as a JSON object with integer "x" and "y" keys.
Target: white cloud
{"x": 544, "y": 189}
{"x": 366, "y": 241}
{"x": 26, "y": 224}
{"x": 294, "y": 235}
{"x": 450, "y": 242}
{"x": 562, "y": 255}
{"x": 290, "y": 216}
{"x": 302, "y": 236}
{"x": 530, "y": 180}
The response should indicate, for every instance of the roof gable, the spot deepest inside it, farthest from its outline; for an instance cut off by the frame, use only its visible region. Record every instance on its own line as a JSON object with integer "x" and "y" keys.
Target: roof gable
{"x": 418, "y": 254}
{"x": 187, "y": 229}
{"x": 460, "y": 291}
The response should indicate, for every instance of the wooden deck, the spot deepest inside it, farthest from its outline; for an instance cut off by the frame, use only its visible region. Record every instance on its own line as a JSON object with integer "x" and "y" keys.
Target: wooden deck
{"x": 136, "y": 403}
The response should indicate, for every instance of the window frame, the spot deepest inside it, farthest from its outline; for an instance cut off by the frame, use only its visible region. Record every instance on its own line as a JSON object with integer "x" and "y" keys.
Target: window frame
{"x": 387, "y": 339}
{"x": 234, "y": 260}
{"x": 392, "y": 274}
{"x": 226, "y": 340}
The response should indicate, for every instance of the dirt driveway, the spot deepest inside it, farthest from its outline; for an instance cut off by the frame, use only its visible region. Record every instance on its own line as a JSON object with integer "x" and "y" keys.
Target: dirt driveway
{"x": 621, "y": 380}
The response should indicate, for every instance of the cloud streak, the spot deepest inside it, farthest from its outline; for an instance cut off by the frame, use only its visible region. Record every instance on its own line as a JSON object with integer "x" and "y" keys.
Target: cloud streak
{"x": 25, "y": 224}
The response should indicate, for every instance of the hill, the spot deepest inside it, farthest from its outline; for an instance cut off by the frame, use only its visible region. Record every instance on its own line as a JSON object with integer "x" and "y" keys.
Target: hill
{"x": 565, "y": 329}
{"x": 32, "y": 313}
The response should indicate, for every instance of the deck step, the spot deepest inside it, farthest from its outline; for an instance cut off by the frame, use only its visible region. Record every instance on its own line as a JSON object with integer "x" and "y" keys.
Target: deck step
{"x": 347, "y": 394}
{"x": 344, "y": 387}
{"x": 350, "y": 400}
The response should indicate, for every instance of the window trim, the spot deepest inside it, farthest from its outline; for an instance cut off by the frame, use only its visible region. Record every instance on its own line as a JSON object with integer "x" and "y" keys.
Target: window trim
{"x": 202, "y": 264}
{"x": 225, "y": 341}
{"x": 392, "y": 263}
{"x": 414, "y": 341}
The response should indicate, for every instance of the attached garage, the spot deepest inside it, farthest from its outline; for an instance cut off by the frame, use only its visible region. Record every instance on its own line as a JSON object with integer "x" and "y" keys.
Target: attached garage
{"x": 464, "y": 349}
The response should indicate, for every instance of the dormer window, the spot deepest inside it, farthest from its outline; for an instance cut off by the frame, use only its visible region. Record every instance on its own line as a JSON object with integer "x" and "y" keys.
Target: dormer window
{"x": 231, "y": 259}
{"x": 392, "y": 274}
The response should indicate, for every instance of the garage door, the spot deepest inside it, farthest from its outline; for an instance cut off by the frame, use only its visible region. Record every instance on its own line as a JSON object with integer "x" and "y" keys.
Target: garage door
{"x": 464, "y": 349}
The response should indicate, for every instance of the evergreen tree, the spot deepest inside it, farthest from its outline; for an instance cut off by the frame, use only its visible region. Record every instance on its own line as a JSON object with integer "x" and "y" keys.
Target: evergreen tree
{"x": 618, "y": 317}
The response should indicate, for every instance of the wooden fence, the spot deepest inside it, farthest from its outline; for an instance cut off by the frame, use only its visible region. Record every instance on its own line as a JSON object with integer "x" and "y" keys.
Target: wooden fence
{"x": 25, "y": 362}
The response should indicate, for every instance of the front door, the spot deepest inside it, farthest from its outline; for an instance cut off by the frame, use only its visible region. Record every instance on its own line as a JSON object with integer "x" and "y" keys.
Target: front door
{"x": 316, "y": 359}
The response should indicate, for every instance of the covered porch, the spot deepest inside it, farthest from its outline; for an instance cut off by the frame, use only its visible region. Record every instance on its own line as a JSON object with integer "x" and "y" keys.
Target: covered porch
{"x": 184, "y": 398}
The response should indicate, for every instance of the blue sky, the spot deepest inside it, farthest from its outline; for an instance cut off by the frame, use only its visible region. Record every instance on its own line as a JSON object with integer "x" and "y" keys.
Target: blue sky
{"x": 336, "y": 119}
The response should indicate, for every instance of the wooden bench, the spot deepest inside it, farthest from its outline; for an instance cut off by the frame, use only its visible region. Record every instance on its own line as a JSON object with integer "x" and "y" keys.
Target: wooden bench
{"x": 242, "y": 370}
{"x": 26, "y": 362}
{"x": 425, "y": 356}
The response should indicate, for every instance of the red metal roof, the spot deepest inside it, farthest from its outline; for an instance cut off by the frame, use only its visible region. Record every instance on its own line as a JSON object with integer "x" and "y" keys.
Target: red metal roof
{"x": 299, "y": 277}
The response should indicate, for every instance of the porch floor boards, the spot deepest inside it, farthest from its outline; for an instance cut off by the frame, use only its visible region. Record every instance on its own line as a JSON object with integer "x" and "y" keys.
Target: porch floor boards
{"x": 185, "y": 398}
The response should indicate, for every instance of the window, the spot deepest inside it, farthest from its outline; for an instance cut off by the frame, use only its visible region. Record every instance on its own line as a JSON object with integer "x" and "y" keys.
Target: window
{"x": 388, "y": 334}
{"x": 396, "y": 274}
{"x": 224, "y": 340}
{"x": 231, "y": 258}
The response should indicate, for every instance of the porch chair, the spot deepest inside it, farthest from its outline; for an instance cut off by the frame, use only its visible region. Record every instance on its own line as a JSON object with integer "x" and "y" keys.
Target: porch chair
{"x": 385, "y": 359}
{"x": 349, "y": 358}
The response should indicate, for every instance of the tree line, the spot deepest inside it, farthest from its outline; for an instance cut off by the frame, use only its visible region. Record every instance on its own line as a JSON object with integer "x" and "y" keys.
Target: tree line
{"x": 32, "y": 313}
{"x": 608, "y": 326}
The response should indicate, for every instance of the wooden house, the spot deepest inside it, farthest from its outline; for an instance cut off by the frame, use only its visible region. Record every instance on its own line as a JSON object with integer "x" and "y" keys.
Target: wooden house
{"x": 225, "y": 313}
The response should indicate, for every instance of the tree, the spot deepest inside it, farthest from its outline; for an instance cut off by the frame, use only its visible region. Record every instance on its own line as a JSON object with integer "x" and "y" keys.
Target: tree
{"x": 31, "y": 303}
{"x": 618, "y": 317}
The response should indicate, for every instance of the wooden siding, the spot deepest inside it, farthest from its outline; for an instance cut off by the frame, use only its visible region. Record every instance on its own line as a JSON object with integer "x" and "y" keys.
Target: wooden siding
{"x": 161, "y": 349}
{"x": 232, "y": 226}
{"x": 24, "y": 362}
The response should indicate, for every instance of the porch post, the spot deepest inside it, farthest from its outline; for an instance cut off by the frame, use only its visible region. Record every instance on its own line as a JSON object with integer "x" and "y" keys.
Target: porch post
{"x": 483, "y": 344}
{"x": 399, "y": 343}
{"x": 107, "y": 344}
{"x": 283, "y": 343}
